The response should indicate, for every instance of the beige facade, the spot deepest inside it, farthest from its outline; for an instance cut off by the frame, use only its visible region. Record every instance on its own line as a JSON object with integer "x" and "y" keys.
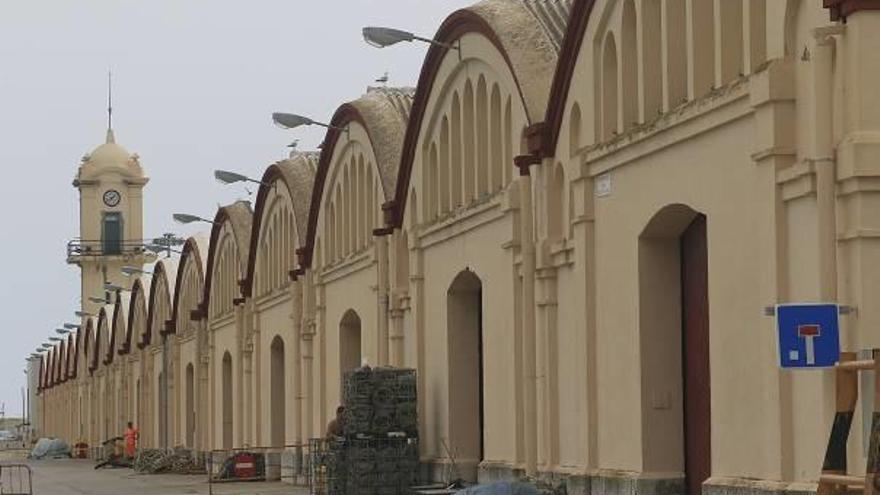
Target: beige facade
{"x": 571, "y": 228}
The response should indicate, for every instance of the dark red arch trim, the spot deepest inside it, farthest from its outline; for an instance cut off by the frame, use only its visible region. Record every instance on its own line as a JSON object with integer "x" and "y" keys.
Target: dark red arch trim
{"x": 546, "y": 135}
{"x": 96, "y": 359}
{"x": 158, "y": 271}
{"x": 189, "y": 253}
{"x": 220, "y": 218}
{"x": 111, "y": 350}
{"x": 454, "y": 27}
{"x": 137, "y": 290}
{"x": 345, "y": 114}
{"x": 840, "y": 9}
{"x": 272, "y": 174}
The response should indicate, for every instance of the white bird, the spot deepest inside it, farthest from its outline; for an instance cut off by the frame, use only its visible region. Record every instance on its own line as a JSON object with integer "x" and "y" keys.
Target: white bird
{"x": 383, "y": 79}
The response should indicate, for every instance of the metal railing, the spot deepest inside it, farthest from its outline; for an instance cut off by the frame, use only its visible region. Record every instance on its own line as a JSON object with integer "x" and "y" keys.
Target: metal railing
{"x": 80, "y": 248}
{"x": 252, "y": 464}
{"x": 16, "y": 479}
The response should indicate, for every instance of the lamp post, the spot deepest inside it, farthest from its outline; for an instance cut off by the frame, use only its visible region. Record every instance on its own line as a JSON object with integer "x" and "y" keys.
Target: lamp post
{"x": 380, "y": 37}
{"x": 185, "y": 218}
{"x": 131, "y": 270}
{"x": 292, "y": 121}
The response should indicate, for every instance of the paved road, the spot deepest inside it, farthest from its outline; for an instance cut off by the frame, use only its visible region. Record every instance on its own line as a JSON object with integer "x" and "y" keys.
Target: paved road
{"x": 75, "y": 477}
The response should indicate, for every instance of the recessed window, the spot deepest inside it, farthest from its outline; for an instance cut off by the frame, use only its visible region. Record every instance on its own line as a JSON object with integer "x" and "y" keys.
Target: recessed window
{"x": 111, "y": 233}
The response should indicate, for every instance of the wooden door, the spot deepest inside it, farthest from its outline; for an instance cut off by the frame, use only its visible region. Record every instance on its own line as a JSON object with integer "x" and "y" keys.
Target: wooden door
{"x": 695, "y": 356}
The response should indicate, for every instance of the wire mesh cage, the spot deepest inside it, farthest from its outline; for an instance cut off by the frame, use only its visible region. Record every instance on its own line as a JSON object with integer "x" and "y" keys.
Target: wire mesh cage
{"x": 364, "y": 466}
{"x": 380, "y": 401}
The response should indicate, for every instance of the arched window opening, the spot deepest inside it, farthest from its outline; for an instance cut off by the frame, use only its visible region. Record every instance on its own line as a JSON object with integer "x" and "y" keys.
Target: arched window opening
{"x": 443, "y": 184}
{"x": 729, "y": 38}
{"x": 555, "y": 200}
{"x": 496, "y": 153}
{"x": 651, "y": 59}
{"x": 629, "y": 65}
{"x": 701, "y": 42}
{"x": 470, "y": 151}
{"x": 226, "y": 398}
{"x": 609, "y": 88}
{"x": 482, "y": 138}
{"x": 455, "y": 175}
{"x": 574, "y": 130}
{"x": 277, "y": 392}
{"x": 349, "y": 342}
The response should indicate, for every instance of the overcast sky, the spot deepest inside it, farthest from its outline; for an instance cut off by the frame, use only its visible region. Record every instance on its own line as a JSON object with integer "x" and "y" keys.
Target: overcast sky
{"x": 195, "y": 83}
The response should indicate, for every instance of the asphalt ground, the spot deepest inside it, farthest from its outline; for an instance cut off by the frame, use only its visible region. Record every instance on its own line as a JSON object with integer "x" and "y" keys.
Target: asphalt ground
{"x": 75, "y": 476}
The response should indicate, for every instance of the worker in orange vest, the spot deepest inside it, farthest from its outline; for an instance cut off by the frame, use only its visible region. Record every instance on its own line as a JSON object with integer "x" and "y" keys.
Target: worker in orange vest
{"x": 131, "y": 438}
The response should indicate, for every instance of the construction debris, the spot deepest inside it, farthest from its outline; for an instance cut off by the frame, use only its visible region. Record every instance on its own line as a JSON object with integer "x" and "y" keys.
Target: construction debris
{"x": 177, "y": 461}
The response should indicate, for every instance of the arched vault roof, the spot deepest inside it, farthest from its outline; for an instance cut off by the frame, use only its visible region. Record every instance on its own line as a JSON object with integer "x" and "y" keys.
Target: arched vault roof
{"x": 384, "y": 114}
{"x": 525, "y": 33}
{"x": 297, "y": 174}
{"x": 167, "y": 269}
{"x": 240, "y": 217}
{"x": 195, "y": 250}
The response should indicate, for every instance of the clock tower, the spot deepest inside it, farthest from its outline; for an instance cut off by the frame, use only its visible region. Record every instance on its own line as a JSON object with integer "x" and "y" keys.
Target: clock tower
{"x": 110, "y": 182}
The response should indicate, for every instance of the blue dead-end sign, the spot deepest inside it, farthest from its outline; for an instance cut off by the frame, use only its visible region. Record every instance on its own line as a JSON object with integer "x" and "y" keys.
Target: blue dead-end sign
{"x": 809, "y": 335}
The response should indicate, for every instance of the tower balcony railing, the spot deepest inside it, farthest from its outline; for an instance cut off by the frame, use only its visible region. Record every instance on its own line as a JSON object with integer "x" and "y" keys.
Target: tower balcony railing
{"x": 79, "y": 249}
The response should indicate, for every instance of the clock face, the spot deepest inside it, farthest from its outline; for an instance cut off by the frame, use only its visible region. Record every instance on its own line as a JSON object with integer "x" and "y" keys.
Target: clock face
{"x": 112, "y": 197}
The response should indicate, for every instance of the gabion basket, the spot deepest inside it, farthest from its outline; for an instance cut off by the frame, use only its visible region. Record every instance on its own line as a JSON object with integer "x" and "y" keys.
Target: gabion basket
{"x": 380, "y": 401}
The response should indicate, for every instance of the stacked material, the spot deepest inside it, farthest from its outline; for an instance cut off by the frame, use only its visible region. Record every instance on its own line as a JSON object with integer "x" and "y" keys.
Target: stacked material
{"x": 379, "y": 453}
{"x": 178, "y": 461}
{"x": 362, "y": 466}
{"x": 381, "y": 466}
{"x": 379, "y": 402}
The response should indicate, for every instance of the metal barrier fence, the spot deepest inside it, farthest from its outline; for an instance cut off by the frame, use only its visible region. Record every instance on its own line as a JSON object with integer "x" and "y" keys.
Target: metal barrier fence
{"x": 286, "y": 463}
{"x": 16, "y": 479}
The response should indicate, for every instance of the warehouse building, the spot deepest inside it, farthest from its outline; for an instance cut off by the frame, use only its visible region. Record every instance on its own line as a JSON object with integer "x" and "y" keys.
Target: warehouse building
{"x": 570, "y": 228}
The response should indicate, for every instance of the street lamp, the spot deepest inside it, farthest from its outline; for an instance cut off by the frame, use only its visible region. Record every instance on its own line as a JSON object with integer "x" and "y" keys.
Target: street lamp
{"x": 380, "y": 37}
{"x": 185, "y": 218}
{"x": 292, "y": 121}
{"x": 131, "y": 270}
{"x": 113, "y": 287}
{"x": 156, "y": 248}
{"x": 227, "y": 177}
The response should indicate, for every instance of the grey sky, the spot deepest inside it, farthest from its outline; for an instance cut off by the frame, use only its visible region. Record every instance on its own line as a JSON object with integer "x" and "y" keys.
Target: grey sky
{"x": 194, "y": 84}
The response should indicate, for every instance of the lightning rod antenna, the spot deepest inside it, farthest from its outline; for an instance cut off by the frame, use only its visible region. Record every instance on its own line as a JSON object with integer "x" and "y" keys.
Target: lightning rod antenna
{"x": 109, "y": 99}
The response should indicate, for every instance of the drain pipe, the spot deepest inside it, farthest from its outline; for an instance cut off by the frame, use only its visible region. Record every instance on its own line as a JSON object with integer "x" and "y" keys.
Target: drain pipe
{"x": 527, "y": 250}
{"x": 823, "y": 159}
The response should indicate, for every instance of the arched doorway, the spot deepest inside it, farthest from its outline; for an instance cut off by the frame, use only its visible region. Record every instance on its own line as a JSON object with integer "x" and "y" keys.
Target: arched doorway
{"x": 190, "y": 411}
{"x": 226, "y": 398}
{"x": 277, "y": 393}
{"x": 674, "y": 345}
{"x": 464, "y": 303}
{"x": 162, "y": 416}
{"x": 349, "y": 342}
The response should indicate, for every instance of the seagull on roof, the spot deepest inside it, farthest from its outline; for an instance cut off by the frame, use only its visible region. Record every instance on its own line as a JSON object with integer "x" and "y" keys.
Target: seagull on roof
{"x": 293, "y": 145}
{"x": 383, "y": 79}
